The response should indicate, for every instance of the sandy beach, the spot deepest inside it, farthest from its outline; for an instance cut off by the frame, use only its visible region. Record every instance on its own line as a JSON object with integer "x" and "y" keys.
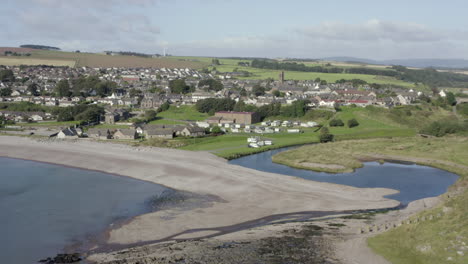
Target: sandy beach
{"x": 241, "y": 194}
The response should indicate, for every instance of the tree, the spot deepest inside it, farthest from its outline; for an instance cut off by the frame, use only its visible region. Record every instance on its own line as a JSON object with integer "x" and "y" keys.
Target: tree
{"x": 33, "y": 88}
{"x": 325, "y": 135}
{"x": 212, "y": 105}
{"x": 216, "y": 130}
{"x": 150, "y": 115}
{"x": 179, "y": 87}
{"x": 7, "y": 76}
{"x": 258, "y": 90}
{"x": 62, "y": 88}
{"x": 336, "y": 122}
{"x": 215, "y": 62}
{"x": 450, "y": 98}
{"x": 134, "y": 92}
{"x": 213, "y": 85}
{"x": 164, "y": 107}
{"x": 353, "y": 123}
{"x": 6, "y": 91}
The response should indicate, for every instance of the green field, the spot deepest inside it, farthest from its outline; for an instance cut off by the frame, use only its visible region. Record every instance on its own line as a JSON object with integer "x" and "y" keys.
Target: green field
{"x": 110, "y": 126}
{"x": 234, "y": 145}
{"x": 166, "y": 122}
{"x": 228, "y": 65}
{"x": 184, "y": 113}
{"x": 50, "y": 124}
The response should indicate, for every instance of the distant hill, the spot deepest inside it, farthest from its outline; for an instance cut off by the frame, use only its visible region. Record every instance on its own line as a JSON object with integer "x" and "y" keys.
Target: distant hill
{"x": 39, "y": 47}
{"x": 417, "y": 63}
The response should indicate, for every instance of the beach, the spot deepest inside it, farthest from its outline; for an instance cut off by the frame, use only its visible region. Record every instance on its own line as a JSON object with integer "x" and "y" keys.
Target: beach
{"x": 242, "y": 194}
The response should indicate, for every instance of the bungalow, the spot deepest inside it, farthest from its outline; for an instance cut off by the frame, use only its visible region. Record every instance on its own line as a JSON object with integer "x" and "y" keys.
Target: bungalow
{"x": 125, "y": 134}
{"x": 327, "y": 103}
{"x": 99, "y": 133}
{"x": 67, "y": 133}
{"x": 159, "y": 133}
{"x": 192, "y": 132}
{"x": 203, "y": 124}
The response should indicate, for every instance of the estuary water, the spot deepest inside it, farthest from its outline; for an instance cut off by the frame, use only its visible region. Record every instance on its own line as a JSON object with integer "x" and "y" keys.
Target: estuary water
{"x": 413, "y": 181}
{"x": 45, "y": 207}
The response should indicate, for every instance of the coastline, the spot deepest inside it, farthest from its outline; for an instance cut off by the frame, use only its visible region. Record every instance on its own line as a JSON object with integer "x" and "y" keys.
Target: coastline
{"x": 246, "y": 194}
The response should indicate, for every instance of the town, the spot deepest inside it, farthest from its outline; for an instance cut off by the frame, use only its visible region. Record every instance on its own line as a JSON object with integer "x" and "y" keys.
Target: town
{"x": 126, "y": 94}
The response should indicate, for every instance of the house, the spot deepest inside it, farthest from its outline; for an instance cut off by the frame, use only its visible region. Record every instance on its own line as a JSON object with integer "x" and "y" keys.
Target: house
{"x": 67, "y": 133}
{"x": 327, "y": 103}
{"x": 239, "y": 117}
{"x": 166, "y": 133}
{"x": 111, "y": 118}
{"x": 152, "y": 101}
{"x": 99, "y": 133}
{"x": 203, "y": 124}
{"x": 125, "y": 134}
{"x": 361, "y": 103}
{"x": 192, "y": 132}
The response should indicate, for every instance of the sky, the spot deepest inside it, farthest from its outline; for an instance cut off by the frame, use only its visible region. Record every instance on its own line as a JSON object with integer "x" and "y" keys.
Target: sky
{"x": 373, "y": 29}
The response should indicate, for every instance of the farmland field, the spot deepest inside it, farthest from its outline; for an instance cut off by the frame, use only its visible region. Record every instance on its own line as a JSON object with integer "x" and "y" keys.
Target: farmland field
{"x": 72, "y": 59}
{"x": 13, "y": 61}
{"x": 228, "y": 65}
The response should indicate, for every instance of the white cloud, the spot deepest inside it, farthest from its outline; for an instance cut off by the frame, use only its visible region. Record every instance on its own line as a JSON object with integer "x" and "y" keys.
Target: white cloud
{"x": 377, "y": 30}
{"x": 96, "y": 24}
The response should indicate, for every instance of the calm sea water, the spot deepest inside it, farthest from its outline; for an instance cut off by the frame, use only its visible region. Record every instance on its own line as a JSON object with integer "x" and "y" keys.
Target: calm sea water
{"x": 45, "y": 207}
{"x": 413, "y": 181}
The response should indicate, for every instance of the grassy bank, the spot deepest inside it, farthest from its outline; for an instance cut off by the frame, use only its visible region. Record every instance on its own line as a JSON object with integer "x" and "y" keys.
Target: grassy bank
{"x": 349, "y": 153}
{"x": 431, "y": 242}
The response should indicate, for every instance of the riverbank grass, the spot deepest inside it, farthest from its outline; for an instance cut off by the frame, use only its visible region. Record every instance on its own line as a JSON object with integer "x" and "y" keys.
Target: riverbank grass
{"x": 350, "y": 153}
{"x": 439, "y": 240}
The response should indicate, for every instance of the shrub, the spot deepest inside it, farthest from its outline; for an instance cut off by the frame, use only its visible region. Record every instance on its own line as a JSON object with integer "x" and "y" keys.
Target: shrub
{"x": 336, "y": 122}
{"x": 441, "y": 128}
{"x": 325, "y": 135}
{"x": 353, "y": 123}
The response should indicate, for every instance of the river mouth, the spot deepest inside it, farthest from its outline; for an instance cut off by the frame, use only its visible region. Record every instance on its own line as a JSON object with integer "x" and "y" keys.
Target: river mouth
{"x": 48, "y": 208}
{"x": 413, "y": 181}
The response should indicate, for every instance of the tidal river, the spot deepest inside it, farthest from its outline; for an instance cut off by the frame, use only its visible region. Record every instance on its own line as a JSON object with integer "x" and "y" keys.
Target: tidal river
{"x": 45, "y": 207}
{"x": 413, "y": 181}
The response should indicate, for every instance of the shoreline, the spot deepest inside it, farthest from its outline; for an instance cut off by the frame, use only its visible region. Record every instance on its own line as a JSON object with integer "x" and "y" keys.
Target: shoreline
{"x": 111, "y": 244}
{"x": 243, "y": 190}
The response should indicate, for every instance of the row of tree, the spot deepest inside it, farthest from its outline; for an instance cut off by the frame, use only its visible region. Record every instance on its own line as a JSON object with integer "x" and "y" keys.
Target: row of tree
{"x": 294, "y": 66}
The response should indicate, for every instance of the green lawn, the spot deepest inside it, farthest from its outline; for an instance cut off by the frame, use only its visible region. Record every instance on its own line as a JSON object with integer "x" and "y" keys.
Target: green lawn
{"x": 184, "y": 113}
{"x": 166, "y": 122}
{"x": 51, "y": 124}
{"x": 235, "y": 145}
{"x": 109, "y": 126}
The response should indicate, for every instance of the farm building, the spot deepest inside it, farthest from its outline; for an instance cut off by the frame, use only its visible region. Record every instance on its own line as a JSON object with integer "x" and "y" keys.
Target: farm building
{"x": 239, "y": 117}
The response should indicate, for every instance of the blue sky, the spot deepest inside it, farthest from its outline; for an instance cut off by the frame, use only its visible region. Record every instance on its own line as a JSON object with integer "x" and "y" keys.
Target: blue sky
{"x": 295, "y": 28}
